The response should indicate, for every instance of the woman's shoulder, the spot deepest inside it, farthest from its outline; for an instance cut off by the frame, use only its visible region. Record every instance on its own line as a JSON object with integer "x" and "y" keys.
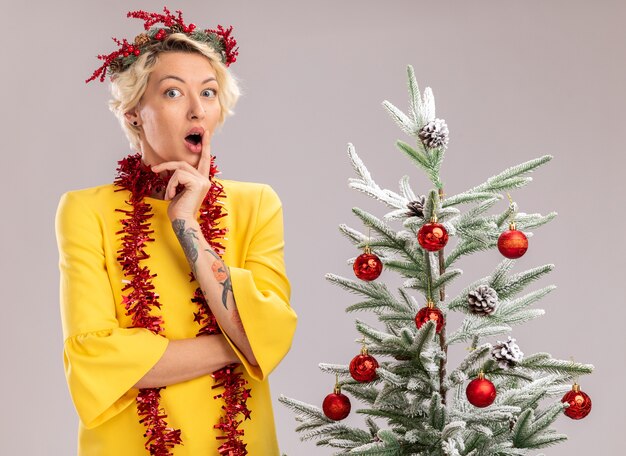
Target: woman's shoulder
{"x": 101, "y": 196}
{"x": 97, "y": 192}
{"x": 249, "y": 192}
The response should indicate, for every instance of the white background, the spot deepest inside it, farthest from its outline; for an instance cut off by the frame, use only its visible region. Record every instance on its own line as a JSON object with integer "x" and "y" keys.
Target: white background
{"x": 514, "y": 80}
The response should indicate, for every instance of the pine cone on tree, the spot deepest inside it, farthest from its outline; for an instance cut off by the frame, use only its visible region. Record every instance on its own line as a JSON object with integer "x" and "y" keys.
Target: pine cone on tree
{"x": 507, "y": 354}
{"x": 482, "y": 300}
{"x": 434, "y": 134}
{"x": 416, "y": 208}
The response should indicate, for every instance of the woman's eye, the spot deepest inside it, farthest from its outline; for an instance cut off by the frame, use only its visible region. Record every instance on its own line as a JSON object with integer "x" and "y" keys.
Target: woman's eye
{"x": 209, "y": 93}
{"x": 172, "y": 93}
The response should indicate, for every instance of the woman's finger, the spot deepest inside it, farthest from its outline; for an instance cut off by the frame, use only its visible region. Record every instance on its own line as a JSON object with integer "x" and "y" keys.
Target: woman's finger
{"x": 204, "y": 165}
{"x": 179, "y": 177}
{"x": 170, "y": 190}
{"x": 174, "y": 166}
{"x": 189, "y": 180}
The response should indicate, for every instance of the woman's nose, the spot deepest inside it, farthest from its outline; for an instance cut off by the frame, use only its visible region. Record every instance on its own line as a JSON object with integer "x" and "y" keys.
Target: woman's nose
{"x": 196, "y": 110}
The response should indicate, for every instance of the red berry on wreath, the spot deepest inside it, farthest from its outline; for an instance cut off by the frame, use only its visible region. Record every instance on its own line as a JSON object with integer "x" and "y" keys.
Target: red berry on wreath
{"x": 367, "y": 266}
{"x": 579, "y": 403}
{"x": 336, "y": 405}
{"x": 432, "y": 236}
{"x": 512, "y": 243}
{"x": 363, "y": 367}
{"x": 480, "y": 392}
{"x": 429, "y": 313}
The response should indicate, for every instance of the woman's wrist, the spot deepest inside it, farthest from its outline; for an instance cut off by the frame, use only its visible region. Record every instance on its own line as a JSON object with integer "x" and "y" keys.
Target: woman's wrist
{"x": 230, "y": 356}
{"x": 186, "y": 359}
{"x": 189, "y": 222}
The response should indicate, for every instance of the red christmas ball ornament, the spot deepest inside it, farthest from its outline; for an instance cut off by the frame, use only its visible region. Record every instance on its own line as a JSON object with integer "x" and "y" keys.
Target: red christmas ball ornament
{"x": 512, "y": 243}
{"x": 367, "y": 266}
{"x": 363, "y": 367}
{"x": 429, "y": 313}
{"x": 336, "y": 405}
{"x": 480, "y": 392}
{"x": 579, "y": 403}
{"x": 432, "y": 236}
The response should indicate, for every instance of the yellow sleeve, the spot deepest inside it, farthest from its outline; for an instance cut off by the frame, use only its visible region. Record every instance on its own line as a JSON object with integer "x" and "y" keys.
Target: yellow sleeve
{"x": 102, "y": 360}
{"x": 262, "y": 291}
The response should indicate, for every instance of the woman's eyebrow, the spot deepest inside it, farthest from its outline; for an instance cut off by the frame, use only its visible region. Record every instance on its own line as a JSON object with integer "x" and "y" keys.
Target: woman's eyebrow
{"x": 171, "y": 76}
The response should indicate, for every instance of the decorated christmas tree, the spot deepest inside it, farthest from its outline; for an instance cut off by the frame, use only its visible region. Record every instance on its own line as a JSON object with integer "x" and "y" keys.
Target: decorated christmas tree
{"x": 496, "y": 401}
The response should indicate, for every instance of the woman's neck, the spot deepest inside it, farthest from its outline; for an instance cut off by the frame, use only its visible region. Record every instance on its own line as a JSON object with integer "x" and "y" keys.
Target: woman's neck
{"x": 158, "y": 192}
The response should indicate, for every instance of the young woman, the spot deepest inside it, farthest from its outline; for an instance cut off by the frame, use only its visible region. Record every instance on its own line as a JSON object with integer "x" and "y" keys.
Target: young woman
{"x": 174, "y": 298}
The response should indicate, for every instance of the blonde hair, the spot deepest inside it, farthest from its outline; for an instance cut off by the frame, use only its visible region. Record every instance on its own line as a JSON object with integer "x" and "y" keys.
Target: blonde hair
{"x": 128, "y": 87}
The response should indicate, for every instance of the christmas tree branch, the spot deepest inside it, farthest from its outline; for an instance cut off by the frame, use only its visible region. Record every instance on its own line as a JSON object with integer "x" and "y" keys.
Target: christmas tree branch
{"x": 339, "y": 435}
{"x": 305, "y": 410}
{"x": 339, "y": 369}
{"x": 419, "y": 111}
{"x": 363, "y": 392}
{"x": 406, "y": 189}
{"x": 477, "y": 327}
{"x": 507, "y": 313}
{"x": 529, "y": 432}
{"x": 401, "y": 119}
{"x": 466, "y": 247}
{"x": 463, "y": 198}
{"x": 460, "y": 374}
{"x": 375, "y": 290}
{"x": 514, "y": 284}
{"x": 388, "y": 445}
{"x": 437, "y": 411}
{"x": 512, "y": 311}
{"x": 367, "y": 185}
{"x": 545, "y": 363}
{"x": 486, "y": 416}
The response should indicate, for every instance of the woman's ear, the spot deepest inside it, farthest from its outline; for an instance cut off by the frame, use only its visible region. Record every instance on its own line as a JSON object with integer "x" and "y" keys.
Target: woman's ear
{"x": 132, "y": 117}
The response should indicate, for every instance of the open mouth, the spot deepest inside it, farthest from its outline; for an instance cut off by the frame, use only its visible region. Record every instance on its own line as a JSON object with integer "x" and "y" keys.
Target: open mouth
{"x": 194, "y": 138}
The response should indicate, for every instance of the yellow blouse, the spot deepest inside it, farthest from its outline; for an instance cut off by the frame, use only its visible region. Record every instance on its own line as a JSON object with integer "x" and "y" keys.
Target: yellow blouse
{"x": 104, "y": 357}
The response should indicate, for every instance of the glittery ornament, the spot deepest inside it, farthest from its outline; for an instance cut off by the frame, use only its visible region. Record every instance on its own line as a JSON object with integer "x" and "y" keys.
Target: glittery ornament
{"x": 432, "y": 236}
{"x": 336, "y": 405}
{"x": 367, "y": 266}
{"x": 512, "y": 243}
{"x": 363, "y": 367}
{"x": 429, "y": 313}
{"x": 579, "y": 403}
{"x": 480, "y": 392}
